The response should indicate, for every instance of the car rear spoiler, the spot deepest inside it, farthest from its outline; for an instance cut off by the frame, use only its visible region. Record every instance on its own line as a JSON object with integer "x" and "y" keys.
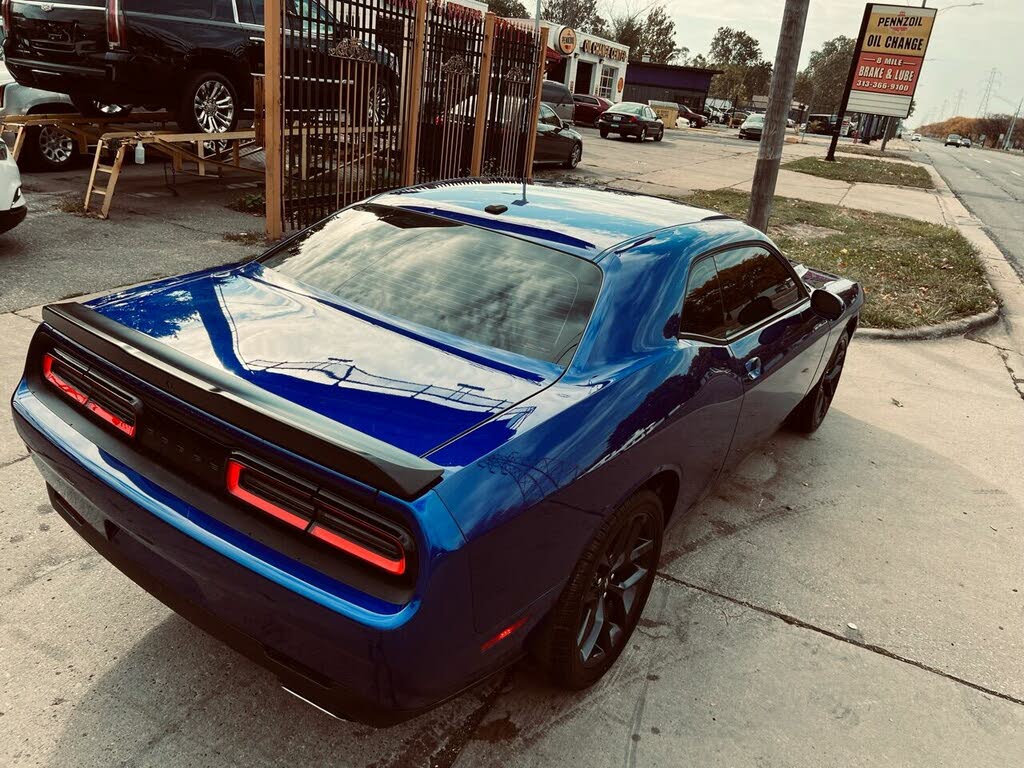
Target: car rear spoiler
{"x": 241, "y": 403}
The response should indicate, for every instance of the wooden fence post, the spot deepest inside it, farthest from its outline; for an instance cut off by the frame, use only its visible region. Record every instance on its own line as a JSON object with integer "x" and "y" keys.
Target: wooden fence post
{"x": 272, "y": 122}
{"x": 483, "y": 95}
{"x": 413, "y": 89}
{"x": 531, "y": 128}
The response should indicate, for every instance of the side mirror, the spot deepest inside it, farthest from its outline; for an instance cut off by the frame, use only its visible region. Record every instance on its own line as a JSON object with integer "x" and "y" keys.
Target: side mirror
{"x": 826, "y": 304}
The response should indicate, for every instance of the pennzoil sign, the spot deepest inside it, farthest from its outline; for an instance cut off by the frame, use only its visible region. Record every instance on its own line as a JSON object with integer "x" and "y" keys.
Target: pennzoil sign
{"x": 567, "y": 41}
{"x": 888, "y": 59}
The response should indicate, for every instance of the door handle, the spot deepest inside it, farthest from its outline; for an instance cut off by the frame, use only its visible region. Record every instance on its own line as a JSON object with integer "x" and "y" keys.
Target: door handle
{"x": 256, "y": 39}
{"x": 753, "y": 368}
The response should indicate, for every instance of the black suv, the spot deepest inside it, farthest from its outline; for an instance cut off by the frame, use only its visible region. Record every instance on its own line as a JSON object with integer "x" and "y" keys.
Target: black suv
{"x": 195, "y": 58}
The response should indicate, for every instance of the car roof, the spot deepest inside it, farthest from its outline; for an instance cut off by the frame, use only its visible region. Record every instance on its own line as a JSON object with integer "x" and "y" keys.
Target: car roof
{"x": 583, "y": 221}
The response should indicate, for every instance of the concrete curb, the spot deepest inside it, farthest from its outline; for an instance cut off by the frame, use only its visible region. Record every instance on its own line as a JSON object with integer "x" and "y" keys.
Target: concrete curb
{"x": 940, "y": 331}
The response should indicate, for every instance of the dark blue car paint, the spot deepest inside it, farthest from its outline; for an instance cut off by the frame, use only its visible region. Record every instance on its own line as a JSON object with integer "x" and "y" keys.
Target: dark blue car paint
{"x": 534, "y": 457}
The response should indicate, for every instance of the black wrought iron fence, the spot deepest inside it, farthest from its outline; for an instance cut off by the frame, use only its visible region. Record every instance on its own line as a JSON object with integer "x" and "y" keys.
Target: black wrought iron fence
{"x": 370, "y": 95}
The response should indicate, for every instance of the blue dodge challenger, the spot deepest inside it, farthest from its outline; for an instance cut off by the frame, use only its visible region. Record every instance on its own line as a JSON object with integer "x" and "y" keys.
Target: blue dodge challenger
{"x": 441, "y": 428}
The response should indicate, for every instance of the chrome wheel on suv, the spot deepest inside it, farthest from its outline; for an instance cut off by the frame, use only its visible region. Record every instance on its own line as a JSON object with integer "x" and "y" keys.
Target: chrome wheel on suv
{"x": 209, "y": 104}
{"x": 214, "y": 107}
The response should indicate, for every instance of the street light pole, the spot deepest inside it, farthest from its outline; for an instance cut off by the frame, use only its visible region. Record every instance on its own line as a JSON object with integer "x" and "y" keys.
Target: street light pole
{"x": 780, "y": 97}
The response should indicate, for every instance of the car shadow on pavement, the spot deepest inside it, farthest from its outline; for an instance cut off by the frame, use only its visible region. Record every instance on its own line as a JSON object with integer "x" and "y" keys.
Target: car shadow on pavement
{"x": 793, "y": 526}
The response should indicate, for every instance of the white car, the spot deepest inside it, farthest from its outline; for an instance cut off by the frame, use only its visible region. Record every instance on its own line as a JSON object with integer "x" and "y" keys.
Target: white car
{"x": 916, "y": 137}
{"x": 12, "y": 202}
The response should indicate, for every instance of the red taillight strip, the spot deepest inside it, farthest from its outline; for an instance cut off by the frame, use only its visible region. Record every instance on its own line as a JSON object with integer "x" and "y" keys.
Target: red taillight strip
{"x": 111, "y": 419}
{"x": 235, "y": 488}
{"x": 319, "y": 530}
{"x": 83, "y": 399}
{"x": 48, "y": 374}
{"x": 397, "y": 567}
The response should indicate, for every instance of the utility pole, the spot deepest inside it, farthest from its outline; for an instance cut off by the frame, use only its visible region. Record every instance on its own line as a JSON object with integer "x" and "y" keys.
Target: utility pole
{"x": 837, "y": 129}
{"x": 959, "y": 98}
{"x": 780, "y": 97}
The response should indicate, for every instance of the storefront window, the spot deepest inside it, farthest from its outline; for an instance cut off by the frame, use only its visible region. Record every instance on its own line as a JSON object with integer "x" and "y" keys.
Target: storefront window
{"x": 607, "y": 82}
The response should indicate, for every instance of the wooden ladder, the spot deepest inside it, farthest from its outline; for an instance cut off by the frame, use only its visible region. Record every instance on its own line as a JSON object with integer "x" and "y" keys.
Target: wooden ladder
{"x": 112, "y": 171}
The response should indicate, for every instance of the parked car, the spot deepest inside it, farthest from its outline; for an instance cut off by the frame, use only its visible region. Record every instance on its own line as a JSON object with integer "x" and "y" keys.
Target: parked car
{"x": 952, "y": 140}
{"x": 752, "y": 127}
{"x": 192, "y": 57}
{"x": 915, "y": 137}
{"x": 588, "y": 108}
{"x": 965, "y": 141}
{"x": 628, "y": 118}
{"x": 352, "y": 487}
{"x": 557, "y": 96}
{"x": 713, "y": 115}
{"x": 45, "y": 148}
{"x": 12, "y": 202}
{"x": 735, "y": 118}
{"x": 696, "y": 119}
{"x": 556, "y": 142}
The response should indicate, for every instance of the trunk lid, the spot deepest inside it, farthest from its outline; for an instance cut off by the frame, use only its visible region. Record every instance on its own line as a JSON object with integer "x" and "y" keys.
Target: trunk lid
{"x": 58, "y": 33}
{"x": 382, "y": 380}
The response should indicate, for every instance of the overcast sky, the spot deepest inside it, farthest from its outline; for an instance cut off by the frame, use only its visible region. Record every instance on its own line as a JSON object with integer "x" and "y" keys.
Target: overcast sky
{"x": 966, "y": 44}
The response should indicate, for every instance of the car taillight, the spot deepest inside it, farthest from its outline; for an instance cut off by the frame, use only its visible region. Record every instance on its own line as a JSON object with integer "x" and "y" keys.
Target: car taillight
{"x": 105, "y": 401}
{"x": 334, "y": 522}
{"x": 116, "y": 28}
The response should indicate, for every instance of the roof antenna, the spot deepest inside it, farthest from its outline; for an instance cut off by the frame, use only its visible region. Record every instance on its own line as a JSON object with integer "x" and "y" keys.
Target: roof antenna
{"x": 536, "y": 19}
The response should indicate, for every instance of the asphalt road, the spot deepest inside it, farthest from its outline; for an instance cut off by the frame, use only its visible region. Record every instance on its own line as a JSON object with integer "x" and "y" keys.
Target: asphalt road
{"x": 991, "y": 185}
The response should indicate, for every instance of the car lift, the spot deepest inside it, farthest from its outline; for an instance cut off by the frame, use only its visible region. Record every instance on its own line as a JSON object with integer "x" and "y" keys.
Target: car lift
{"x": 115, "y": 134}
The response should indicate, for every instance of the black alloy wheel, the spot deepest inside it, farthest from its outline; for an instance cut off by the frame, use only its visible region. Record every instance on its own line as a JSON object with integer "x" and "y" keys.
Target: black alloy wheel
{"x": 660, "y": 135}
{"x": 811, "y": 411}
{"x": 602, "y": 603}
{"x": 643, "y": 135}
{"x": 575, "y": 155}
{"x": 48, "y": 149}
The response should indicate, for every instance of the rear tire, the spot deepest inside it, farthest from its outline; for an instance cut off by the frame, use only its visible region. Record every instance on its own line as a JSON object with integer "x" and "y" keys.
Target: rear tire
{"x": 47, "y": 149}
{"x": 208, "y": 104}
{"x": 811, "y": 411}
{"x": 601, "y": 604}
{"x": 642, "y": 136}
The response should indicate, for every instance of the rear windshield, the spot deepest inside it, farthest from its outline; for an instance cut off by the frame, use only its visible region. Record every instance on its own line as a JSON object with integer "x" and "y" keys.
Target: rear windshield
{"x": 628, "y": 108}
{"x": 456, "y": 278}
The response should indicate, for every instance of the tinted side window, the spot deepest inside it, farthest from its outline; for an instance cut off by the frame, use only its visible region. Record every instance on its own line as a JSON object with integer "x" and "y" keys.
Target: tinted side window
{"x": 207, "y": 10}
{"x": 547, "y": 116}
{"x": 702, "y": 305}
{"x": 250, "y": 11}
{"x": 755, "y": 285}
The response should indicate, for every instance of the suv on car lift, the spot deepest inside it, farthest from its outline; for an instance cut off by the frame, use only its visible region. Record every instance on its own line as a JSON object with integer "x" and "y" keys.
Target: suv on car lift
{"x": 195, "y": 58}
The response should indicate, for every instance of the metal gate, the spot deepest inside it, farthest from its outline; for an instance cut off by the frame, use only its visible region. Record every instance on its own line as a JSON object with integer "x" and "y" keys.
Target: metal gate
{"x": 370, "y": 95}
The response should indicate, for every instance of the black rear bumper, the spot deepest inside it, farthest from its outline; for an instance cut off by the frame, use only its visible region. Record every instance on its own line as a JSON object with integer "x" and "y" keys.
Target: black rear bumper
{"x": 132, "y": 539}
{"x": 110, "y": 79}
